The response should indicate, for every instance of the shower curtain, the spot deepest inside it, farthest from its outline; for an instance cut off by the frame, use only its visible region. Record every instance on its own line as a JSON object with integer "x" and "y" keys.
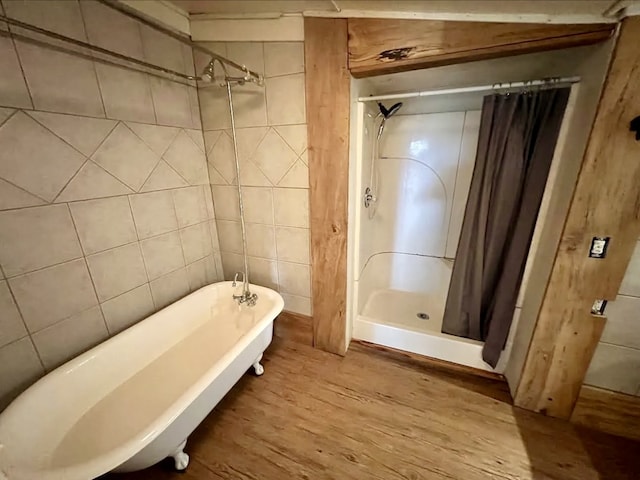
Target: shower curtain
{"x": 518, "y": 134}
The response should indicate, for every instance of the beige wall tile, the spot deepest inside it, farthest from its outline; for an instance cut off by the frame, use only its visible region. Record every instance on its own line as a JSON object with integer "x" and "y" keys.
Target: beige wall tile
{"x": 263, "y": 272}
{"x": 250, "y": 106}
{"x": 127, "y": 309}
{"x": 196, "y": 242}
{"x": 213, "y": 229}
{"x": 258, "y": 205}
{"x": 286, "y": 100}
{"x": 11, "y": 326}
{"x": 190, "y": 205}
{"x": 247, "y": 53}
{"x": 170, "y": 288}
{"x": 230, "y": 236}
{"x": 623, "y": 322}
{"x": 60, "y": 82}
{"x": 294, "y": 279}
{"x": 34, "y": 159}
{"x": 161, "y": 49}
{"x": 69, "y": 338}
{"x": 126, "y": 157}
{"x": 225, "y": 202}
{"x": 50, "y": 295}
{"x": 248, "y": 140}
{"x": 197, "y": 273}
{"x": 291, "y": 207}
{"x": 126, "y": 94}
{"x": 214, "y": 108}
{"x": 104, "y": 223}
{"x": 13, "y": 89}
{"x": 615, "y": 368}
{"x": 19, "y": 368}
{"x": 117, "y": 270}
{"x": 171, "y": 102}
{"x": 187, "y": 159}
{"x": 295, "y": 136}
{"x": 296, "y": 304}
{"x": 59, "y": 16}
{"x": 15, "y": 197}
{"x": 283, "y": 58}
{"x": 296, "y": 177}
{"x": 631, "y": 282}
{"x": 261, "y": 241}
{"x": 163, "y": 177}
{"x": 92, "y": 181}
{"x": 274, "y": 156}
{"x": 83, "y": 133}
{"x": 37, "y": 237}
{"x": 157, "y": 137}
{"x": 293, "y": 244}
{"x": 231, "y": 263}
{"x": 162, "y": 254}
{"x": 222, "y": 157}
{"x": 102, "y": 22}
{"x": 208, "y": 200}
{"x": 154, "y": 213}
{"x": 196, "y": 119}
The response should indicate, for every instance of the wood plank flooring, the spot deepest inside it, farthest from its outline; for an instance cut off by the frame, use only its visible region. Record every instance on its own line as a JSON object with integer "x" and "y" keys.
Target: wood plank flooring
{"x": 384, "y": 415}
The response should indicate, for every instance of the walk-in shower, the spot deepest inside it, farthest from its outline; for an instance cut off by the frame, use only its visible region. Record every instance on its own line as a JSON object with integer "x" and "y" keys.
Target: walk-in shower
{"x": 412, "y": 168}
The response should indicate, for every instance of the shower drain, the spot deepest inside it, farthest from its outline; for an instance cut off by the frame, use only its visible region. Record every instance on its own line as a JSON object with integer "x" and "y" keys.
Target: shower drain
{"x": 422, "y": 316}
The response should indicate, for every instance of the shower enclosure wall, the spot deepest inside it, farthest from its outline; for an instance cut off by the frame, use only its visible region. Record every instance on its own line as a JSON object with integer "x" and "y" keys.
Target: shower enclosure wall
{"x": 402, "y": 247}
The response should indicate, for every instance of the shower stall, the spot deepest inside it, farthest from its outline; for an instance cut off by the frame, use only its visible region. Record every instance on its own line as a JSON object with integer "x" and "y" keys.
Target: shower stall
{"x": 414, "y": 139}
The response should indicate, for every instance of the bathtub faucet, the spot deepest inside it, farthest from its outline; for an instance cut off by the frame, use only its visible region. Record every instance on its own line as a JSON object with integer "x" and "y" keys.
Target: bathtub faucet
{"x": 246, "y": 296}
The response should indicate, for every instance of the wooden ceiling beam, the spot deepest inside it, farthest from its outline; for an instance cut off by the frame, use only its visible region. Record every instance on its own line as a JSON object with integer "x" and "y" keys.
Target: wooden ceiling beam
{"x": 382, "y": 46}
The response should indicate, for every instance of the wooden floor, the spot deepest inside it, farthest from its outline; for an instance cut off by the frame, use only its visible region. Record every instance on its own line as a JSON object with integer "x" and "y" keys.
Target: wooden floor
{"x": 380, "y": 415}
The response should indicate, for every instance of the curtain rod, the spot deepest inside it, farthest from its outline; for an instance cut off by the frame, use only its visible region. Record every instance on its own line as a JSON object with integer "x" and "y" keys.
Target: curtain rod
{"x": 248, "y": 74}
{"x": 479, "y": 88}
{"x": 130, "y": 12}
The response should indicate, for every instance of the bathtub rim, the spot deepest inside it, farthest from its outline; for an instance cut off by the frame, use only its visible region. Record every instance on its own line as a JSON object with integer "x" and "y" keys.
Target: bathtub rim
{"x": 128, "y": 449}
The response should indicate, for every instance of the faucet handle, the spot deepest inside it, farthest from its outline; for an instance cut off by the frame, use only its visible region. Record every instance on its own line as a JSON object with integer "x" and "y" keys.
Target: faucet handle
{"x": 235, "y": 278}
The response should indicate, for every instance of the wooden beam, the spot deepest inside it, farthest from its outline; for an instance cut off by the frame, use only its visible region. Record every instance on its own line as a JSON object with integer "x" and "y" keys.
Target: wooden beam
{"x": 609, "y": 412}
{"x": 381, "y": 46}
{"x": 328, "y": 102}
{"x": 606, "y": 203}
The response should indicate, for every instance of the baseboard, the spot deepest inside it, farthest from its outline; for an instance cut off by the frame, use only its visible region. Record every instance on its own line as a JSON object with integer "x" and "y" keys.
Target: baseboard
{"x": 294, "y": 326}
{"x": 607, "y": 411}
{"x": 434, "y": 362}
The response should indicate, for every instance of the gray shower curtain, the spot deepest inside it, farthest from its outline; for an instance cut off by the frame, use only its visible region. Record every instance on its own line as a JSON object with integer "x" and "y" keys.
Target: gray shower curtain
{"x": 518, "y": 134}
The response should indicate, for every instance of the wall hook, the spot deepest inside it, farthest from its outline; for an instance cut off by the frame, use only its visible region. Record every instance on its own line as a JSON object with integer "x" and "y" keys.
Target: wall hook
{"x": 635, "y": 127}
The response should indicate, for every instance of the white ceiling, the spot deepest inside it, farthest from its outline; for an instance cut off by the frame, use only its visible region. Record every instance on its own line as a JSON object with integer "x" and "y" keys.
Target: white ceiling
{"x": 231, "y": 8}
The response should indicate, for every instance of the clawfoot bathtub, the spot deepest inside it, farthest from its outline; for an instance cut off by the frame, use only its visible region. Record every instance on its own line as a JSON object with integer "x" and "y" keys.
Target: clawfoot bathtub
{"x": 134, "y": 399}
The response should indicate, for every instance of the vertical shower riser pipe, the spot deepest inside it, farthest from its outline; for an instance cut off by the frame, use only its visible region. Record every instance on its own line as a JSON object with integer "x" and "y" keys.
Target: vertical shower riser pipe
{"x": 245, "y": 286}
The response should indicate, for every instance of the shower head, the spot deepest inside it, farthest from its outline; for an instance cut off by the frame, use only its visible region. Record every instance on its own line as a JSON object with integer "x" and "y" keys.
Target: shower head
{"x": 386, "y": 113}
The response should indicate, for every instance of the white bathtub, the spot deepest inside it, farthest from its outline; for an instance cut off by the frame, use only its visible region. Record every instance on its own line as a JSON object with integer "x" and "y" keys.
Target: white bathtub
{"x": 134, "y": 399}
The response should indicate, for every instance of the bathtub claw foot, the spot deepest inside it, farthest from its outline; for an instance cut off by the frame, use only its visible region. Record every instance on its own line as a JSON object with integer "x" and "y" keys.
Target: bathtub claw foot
{"x": 180, "y": 458}
{"x": 257, "y": 366}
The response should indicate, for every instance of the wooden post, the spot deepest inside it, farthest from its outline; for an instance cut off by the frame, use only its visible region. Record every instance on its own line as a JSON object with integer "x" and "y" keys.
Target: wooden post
{"x": 328, "y": 102}
{"x": 606, "y": 203}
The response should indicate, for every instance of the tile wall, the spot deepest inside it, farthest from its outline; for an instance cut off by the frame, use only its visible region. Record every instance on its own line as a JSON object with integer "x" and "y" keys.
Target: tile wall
{"x": 105, "y": 208}
{"x": 616, "y": 362}
{"x": 272, "y": 144}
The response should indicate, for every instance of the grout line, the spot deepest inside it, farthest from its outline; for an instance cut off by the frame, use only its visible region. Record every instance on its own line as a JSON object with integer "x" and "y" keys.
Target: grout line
{"x": 93, "y": 62}
{"x": 15, "y": 110}
{"x": 46, "y": 202}
{"x": 19, "y": 59}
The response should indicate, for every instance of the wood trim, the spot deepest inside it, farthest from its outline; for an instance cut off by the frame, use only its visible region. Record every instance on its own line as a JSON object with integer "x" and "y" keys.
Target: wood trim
{"x": 328, "y": 102}
{"x": 606, "y": 202}
{"x": 434, "y": 362}
{"x": 294, "y": 326}
{"x": 382, "y": 46}
{"x": 607, "y": 411}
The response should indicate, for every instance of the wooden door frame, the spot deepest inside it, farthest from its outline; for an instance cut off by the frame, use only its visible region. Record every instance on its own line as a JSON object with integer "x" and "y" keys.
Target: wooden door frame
{"x": 327, "y": 83}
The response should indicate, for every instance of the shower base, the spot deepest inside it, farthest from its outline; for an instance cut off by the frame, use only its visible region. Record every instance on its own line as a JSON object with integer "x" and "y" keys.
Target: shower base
{"x": 390, "y": 318}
